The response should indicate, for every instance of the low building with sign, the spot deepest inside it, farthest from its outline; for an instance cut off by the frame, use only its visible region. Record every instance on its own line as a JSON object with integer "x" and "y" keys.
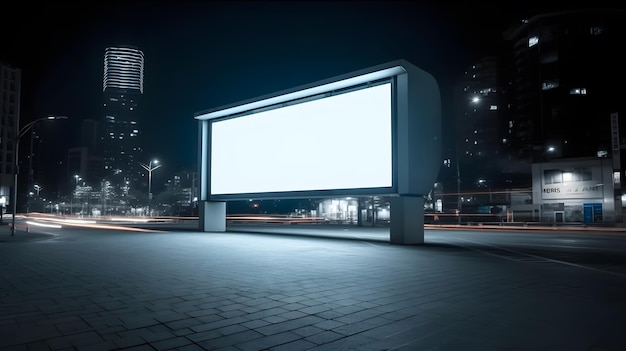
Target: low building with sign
{"x": 576, "y": 190}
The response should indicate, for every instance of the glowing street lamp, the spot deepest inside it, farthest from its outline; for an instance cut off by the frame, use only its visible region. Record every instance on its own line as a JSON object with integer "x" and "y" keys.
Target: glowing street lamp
{"x": 16, "y": 164}
{"x": 150, "y": 168}
{"x": 37, "y": 188}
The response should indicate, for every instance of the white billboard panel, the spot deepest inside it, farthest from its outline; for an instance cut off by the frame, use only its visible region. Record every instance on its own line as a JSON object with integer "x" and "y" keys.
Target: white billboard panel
{"x": 308, "y": 146}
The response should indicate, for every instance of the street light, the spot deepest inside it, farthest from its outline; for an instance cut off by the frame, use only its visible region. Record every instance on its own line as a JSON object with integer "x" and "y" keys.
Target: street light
{"x": 16, "y": 164}
{"x": 483, "y": 182}
{"x": 150, "y": 168}
{"x": 37, "y": 188}
{"x": 76, "y": 179}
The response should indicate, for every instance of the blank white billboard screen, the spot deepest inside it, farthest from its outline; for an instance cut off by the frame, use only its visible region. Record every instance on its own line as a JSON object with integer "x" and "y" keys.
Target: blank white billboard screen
{"x": 338, "y": 142}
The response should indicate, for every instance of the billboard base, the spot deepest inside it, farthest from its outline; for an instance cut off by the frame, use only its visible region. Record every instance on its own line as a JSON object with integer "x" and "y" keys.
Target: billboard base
{"x": 213, "y": 216}
{"x": 407, "y": 220}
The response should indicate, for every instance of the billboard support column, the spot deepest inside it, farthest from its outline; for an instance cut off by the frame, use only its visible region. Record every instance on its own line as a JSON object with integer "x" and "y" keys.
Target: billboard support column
{"x": 212, "y": 216}
{"x": 407, "y": 220}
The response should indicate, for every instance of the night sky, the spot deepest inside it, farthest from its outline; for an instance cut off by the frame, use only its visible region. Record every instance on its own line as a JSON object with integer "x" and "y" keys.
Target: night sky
{"x": 203, "y": 55}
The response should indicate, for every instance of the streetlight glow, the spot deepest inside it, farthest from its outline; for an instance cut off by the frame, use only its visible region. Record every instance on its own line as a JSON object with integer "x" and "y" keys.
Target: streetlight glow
{"x": 150, "y": 168}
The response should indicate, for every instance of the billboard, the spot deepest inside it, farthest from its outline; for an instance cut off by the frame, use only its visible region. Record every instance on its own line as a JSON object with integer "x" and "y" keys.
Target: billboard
{"x": 312, "y": 145}
{"x": 370, "y": 132}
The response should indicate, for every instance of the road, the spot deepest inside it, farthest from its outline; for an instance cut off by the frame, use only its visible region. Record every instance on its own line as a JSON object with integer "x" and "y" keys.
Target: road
{"x": 591, "y": 250}
{"x": 599, "y": 249}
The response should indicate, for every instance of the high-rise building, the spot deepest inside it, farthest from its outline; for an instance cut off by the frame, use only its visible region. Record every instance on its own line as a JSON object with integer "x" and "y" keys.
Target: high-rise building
{"x": 481, "y": 145}
{"x": 567, "y": 97}
{"x": 566, "y": 82}
{"x": 122, "y": 91}
{"x": 10, "y": 86}
{"x": 481, "y": 165}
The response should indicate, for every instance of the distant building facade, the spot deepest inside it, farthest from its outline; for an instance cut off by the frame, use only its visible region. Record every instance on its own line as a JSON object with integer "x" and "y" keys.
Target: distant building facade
{"x": 123, "y": 87}
{"x": 10, "y": 89}
{"x": 552, "y": 92}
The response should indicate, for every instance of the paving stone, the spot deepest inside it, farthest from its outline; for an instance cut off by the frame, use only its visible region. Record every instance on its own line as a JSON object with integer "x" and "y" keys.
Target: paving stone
{"x": 268, "y": 342}
{"x": 172, "y": 343}
{"x": 294, "y": 345}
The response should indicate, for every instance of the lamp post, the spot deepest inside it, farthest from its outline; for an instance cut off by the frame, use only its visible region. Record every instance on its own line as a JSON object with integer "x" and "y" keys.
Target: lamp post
{"x": 150, "y": 168}
{"x": 16, "y": 164}
{"x": 76, "y": 179}
{"x": 483, "y": 182}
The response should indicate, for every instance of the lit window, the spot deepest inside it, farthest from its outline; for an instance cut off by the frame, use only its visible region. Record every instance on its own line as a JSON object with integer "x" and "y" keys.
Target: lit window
{"x": 617, "y": 177}
{"x": 493, "y": 108}
{"x": 532, "y": 41}
{"x": 552, "y": 176}
{"x": 596, "y": 30}
{"x": 578, "y": 91}
{"x": 567, "y": 177}
{"x": 504, "y": 140}
{"x": 549, "y": 84}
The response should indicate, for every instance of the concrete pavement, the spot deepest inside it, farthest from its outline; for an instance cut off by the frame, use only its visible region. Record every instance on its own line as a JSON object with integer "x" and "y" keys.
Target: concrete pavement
{"x": 183, "y": 290}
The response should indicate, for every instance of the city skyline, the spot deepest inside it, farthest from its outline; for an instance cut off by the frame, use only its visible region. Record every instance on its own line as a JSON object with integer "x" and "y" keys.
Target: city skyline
{"x": 205, "y": 55}
{"x": 444, "y": 40}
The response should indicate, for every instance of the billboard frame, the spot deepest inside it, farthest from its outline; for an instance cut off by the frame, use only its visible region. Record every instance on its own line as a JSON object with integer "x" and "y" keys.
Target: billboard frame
{"x": 416, "y": 132}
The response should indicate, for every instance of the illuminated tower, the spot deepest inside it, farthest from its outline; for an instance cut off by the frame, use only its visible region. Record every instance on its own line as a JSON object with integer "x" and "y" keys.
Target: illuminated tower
{"x": 122, "y": 90}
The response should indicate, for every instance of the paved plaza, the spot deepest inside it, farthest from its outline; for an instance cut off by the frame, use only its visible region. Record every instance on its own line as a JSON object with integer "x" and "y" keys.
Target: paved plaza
{"x": 349, "y": 289}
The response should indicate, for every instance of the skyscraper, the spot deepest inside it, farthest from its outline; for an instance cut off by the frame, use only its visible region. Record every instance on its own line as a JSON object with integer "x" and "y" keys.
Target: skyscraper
{"x": 566, "y": 82}
{"x": 122, "y": 90}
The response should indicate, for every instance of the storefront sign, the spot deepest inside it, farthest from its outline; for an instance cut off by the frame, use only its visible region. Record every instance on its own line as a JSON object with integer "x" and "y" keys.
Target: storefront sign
{"x": 576, "y": 190}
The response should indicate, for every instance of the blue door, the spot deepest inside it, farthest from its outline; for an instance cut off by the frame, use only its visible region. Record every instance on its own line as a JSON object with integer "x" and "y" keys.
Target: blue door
{"x": 592, "y": 212}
